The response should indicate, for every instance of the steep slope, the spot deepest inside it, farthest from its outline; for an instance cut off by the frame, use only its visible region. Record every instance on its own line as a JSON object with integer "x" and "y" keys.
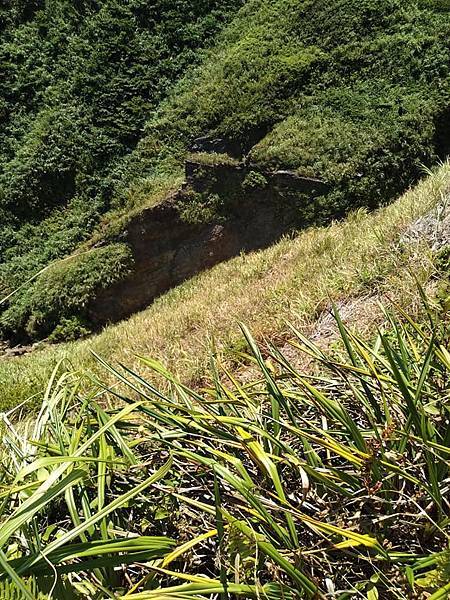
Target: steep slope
{"x": 351, "y": 95}
{"x": 78, "y": 82}
{"x": 355, "y": 263}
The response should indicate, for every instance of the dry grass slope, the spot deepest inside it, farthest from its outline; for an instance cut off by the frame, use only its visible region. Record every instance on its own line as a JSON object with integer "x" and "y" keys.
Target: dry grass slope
{"x": 294, "y": 281}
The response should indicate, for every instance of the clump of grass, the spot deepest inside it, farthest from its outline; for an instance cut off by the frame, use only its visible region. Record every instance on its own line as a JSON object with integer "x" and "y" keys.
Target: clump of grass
{"x": 298, "y": 484}
{"x": 58, "y": 297}
{"x": 75, "y": 487}
{"x": 212, "y": 158}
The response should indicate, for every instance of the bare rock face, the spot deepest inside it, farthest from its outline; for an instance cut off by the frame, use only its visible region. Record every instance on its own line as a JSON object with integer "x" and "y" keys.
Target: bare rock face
{"x": 434, "y": 228}
{"x": 7, "y": 351}
{"x": 168, "y": 250}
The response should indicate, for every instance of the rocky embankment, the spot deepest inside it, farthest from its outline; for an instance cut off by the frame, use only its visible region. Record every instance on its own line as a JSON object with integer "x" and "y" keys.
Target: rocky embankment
{"x": 9, "y": 351}
{"x": 177, "y": 239}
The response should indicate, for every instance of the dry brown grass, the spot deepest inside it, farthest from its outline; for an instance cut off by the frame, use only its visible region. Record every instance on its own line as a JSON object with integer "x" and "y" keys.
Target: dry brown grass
{"x": 295, "y": 280}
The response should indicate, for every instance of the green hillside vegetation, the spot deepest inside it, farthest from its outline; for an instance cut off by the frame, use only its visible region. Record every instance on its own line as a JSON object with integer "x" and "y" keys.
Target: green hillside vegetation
{"x": 276, "y": 427}
{"x": 79, "y": 80}
{"x": 63, "y": 290}
{"x": 354, "y": 93}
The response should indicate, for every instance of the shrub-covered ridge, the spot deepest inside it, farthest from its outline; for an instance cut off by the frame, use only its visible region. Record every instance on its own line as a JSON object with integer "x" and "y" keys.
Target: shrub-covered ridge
{"x": 55, "y": 303}
{"x": 353, "y": 93}
{"x": 79, "y": 80}
{"x": 356, "y": 93}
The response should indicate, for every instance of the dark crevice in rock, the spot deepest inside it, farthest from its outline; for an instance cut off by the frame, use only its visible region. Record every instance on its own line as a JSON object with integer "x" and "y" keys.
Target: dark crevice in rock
{"x": 203, "y": 176}
{"x": 236, "y": 148}
{"x": 218, "y": 145}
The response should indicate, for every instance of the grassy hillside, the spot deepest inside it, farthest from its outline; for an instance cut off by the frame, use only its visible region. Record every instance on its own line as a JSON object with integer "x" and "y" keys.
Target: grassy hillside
{"x": 341, "y": 90}
{"x": 315, "y": 467}
{"x": 276, "y": 427}
{"x": 356, "y": 263}
{"x": 355, "y": 93}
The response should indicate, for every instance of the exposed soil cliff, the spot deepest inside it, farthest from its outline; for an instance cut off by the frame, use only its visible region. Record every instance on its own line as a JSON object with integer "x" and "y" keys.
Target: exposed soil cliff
{"x": 168, "y": 247}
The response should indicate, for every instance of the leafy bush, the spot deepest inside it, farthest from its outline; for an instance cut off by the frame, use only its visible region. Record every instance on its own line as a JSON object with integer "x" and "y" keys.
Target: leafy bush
{"x": 59, "y": 297}
{"x": 201, "y": 207}
{"x": 70, "y": 329}
{"x": 79, "y": 83}
{"x": 443, "y": 5}
{"x": 296, "y": 485}
{"x": 254, "y": 181}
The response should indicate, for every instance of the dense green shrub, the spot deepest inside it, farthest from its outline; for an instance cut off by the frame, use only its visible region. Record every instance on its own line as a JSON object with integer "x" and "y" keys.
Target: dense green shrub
{"x": 56, "y": 302}
{"x": 70, "y": 329}
{"x": 356, "y": 93}
{"x": 79, "y": 82}
{"x": 201, "y": 207}
{"x": 254, "y": 181}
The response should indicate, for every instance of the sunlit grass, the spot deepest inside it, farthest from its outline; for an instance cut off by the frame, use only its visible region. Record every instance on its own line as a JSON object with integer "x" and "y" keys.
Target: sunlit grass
{"x": 294, "y": 280}
{"x": 292, "y": 485}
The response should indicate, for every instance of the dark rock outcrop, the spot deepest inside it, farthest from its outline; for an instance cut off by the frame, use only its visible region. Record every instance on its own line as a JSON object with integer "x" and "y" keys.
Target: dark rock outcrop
{"x": 291, "y": 182}
{"x": 8, "y": 351}
{"x": 167, "y": 251}
{"x": 219, "y": 177}
{"x": 211, "y": 143}
{"x": 168, "y": 248}
{"x": 219, "y": 145}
